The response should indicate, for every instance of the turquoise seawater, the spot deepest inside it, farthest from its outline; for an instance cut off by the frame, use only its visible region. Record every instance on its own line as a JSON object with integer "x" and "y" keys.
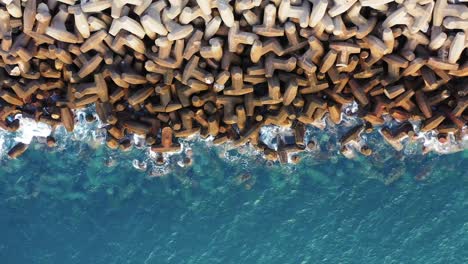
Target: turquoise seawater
{"x": 85, "y": 204}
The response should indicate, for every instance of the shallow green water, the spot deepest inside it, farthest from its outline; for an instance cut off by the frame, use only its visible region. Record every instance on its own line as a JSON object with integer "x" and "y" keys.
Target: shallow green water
{"x": 85, "y": 205}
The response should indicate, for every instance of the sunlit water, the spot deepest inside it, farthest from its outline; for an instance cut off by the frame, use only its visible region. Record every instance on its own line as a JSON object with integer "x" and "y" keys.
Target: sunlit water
{"x": 83, "y": 203}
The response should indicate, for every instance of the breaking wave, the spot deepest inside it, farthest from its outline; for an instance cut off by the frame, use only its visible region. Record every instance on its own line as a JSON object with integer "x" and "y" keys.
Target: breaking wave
{"x": 325, "y": 135}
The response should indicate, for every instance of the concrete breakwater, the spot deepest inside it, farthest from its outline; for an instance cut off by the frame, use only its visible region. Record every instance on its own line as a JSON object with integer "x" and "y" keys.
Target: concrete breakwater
{"x": 165, "y": 70}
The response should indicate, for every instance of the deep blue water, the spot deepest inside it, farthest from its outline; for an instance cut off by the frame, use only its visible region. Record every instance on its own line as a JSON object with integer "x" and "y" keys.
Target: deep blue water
{"x": 68, "y": 207}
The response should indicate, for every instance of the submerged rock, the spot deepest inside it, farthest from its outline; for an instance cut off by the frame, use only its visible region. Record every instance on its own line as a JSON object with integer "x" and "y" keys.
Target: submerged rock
{"x": 17, "y": 150}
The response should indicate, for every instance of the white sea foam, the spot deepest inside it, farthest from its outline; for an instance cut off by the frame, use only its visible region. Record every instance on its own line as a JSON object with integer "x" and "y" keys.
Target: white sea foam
{"x": 431, "y": 142}
{"x": 29, "y": 129}
{"x": 94, "y": 133}
{"x": 139, "y": 141}
{"x": 2, "y": 143}
{"x": 139, "y": 165}
{"x": 270, "y": 134}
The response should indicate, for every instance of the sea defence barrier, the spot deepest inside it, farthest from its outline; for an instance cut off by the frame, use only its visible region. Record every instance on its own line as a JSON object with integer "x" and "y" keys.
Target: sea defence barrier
{"x": 224, "y": 69}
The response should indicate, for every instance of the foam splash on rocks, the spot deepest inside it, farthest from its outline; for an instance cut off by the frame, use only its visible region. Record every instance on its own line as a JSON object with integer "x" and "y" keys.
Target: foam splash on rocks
{"x": 29, "y": 129}
{"x": 90, "y": 132}
{"x": 160, "y": 164}
{"x": 270, "y": 135}
{"x": 431, "y": 142}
